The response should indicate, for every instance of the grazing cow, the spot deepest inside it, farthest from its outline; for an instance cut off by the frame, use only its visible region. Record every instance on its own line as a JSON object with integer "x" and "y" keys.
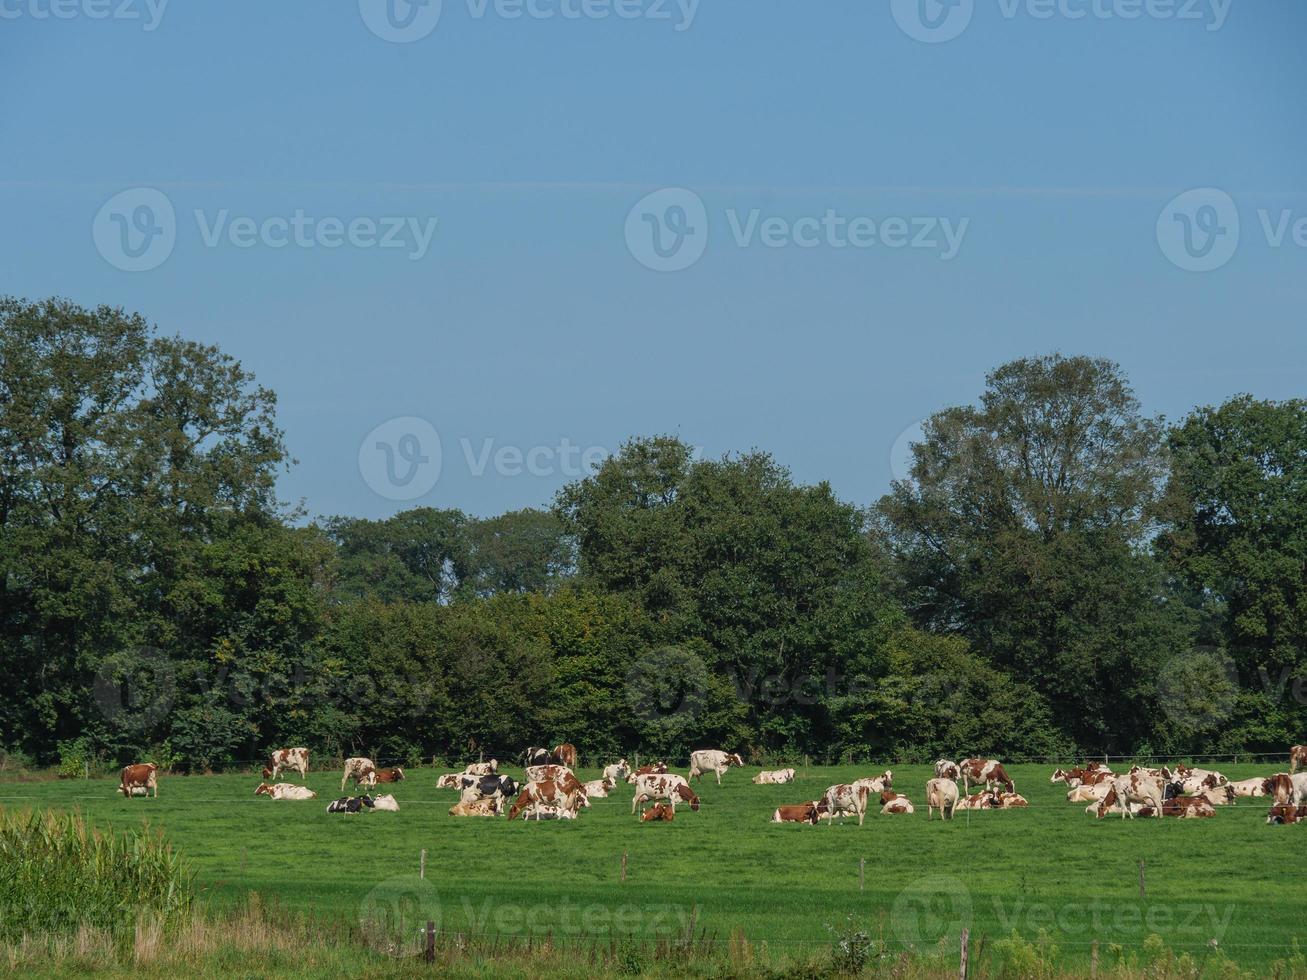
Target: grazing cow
{"x": 482, "y": 768}
{"x": 942, "y": 795}
{"x": 809, "y": 812}
{"x": 944, "y": 769}
{"x": 774, "y": 777}
{"x": 987, "y": 771}
{"x": 474, "y": 808}
{"x": 663, "y": 786}
{"x": 350, "y": 804}
{"x": 648, "y": 769}
{"x": 712, "y": 760}
{"x": 1134, "y": 787}
{"x": 395, "y": 775}
{"x": 144, "y": 774}
{"x": 1257, "y": 786}
{"x": 659, "y": 811}
{"x": 617, "y": 771}
{"x": 297, "y": 759}
{"x": 598, "y": 788}
{"x": 386, "y": 802}
{"x": 285, "y": 791}
{"x": 546, "y": 796}
{"x": 845, "y": 798}
{"x": 1297, "y": 757}
{"x": 895, "y": 803}
{"x": 363, "y": 771}
{"x": 565, "y": 755}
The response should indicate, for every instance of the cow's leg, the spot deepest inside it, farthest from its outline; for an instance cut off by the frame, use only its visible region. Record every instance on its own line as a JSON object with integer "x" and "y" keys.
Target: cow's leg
{"x": 719, "y": 777}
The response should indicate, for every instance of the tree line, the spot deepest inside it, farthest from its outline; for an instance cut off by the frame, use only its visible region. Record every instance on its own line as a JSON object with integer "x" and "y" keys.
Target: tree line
{"x": 1056, "y": 574}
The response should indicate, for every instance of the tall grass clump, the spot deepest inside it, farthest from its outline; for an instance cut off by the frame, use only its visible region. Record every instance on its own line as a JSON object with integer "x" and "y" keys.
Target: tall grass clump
{"x": 58, "y": 874}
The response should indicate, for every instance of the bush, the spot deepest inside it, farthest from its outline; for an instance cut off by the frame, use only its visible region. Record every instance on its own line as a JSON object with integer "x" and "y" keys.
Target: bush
{"x": 59, "y": 874}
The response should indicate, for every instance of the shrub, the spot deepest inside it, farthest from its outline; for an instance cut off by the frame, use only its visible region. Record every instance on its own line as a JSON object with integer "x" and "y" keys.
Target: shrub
{"x": 59, "y": 874}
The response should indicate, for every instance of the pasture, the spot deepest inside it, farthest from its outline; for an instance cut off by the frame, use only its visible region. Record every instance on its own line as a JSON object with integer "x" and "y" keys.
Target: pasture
{"x": 724, "y": 869}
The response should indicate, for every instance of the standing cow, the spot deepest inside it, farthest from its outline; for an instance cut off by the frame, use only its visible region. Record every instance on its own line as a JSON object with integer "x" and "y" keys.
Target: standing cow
{"x": 663, "y": 786}
{"x": 941, "y": 795}
{"x": 362, "y": 771}
{"x": 987, "y": 771}
{"x": 712, "y": 760}
{"x": 288, "y": 759}
{"x": 1297, "y": 757}
{"x": 845, "y": 798}
{"x": 143, "y": 775}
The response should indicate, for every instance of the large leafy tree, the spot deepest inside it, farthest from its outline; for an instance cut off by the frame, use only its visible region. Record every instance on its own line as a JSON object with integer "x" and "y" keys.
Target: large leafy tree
{"x": 1237, "y": 510}
{"x": 123, "y": 454}
{"x": 1023, "y": 526}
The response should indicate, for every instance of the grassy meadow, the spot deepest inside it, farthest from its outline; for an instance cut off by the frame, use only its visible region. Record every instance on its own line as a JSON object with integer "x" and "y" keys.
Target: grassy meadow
{"x": 727, "y": 872}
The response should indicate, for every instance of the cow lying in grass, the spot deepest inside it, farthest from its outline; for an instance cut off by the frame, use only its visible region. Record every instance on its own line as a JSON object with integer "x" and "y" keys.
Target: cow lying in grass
{"x": 1283, "y": 813}
{"x": 809, "y": 812}
{"x": 774, "y": 777}
{"x": 658, "y": 812}
{"x": 474, "y": 808}
{"x": 285, "y": 791}
{"x": 350, "y": 804}
{"x": 895, "y": 803}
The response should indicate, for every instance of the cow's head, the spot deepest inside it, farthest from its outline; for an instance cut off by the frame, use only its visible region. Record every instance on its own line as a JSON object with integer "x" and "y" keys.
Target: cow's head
{"x": 685, "y": 793}
{"x": 264, "y": 788}
{"x": 734, "y": 760}
{"x": 1106, "y": 803}
{"x": 267, "y": 773}
{"x": 398, "y": 773}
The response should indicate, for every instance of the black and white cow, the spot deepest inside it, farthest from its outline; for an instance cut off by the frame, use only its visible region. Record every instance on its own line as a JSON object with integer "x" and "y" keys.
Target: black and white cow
{"x": 350, "y": 804}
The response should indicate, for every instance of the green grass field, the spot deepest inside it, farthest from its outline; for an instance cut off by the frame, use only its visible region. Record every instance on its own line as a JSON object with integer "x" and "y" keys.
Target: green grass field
{"x": 1051, "y": 867}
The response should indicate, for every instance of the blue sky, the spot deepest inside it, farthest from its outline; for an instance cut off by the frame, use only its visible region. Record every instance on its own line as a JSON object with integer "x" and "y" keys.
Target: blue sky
{"x": 1052, "y": 140}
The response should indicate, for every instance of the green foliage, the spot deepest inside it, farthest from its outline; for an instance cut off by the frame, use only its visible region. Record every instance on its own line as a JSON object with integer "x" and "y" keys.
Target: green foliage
{"x": 57, "y": 873}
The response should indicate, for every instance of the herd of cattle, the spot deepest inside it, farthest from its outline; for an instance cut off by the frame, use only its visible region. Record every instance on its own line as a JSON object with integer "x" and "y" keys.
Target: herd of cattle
{"x": 552, "y": 791}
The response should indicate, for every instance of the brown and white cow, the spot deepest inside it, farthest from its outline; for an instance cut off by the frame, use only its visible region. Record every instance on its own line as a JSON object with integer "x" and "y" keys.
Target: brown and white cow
{"x": 877, "y": 784}
{"x": 942, "y": 795}
{"x": 944, "y": 769}
{"x": 1187, "y": 807}
{"x": 845, "y": 798}
{"x": 984, "y": 800}
{"x": 565, "y": 754}
{"x": 599, "y": 788}
{"x": 663, "y": 786}
{"x": 395, "y": 775}
{"x": 143, "y": 774}
{"x": 987, "y": 771}
{"x": 617, "y": 771}
{"x": 809, "y": 812}
{"x": 1095, "y": 792}
{"x": 474, "y": 808}
{"x": 1134, "y": 787}
{"x": 285, "y": 791}
{"x": 362, "y": 770}
{"x": 288, "y": 759}
{"x": 450, "y": 780}
{"x": 1282, "y": 813}
{"x": 774, "y": 777}
{"x": 1297, "y": 757}
{"x": 1288, "y": 788}
{"x": 895, "y": 803}
{"x": 538, "y": 774}
{"x": 715, "y": 761}
{"x": 648, "y": 769}
{"x": 1257, "y": 786}
{"x": 546, "y": 796}
{"x": 482, "y": 768}
{"x": 1011, "y": 801}
{"x": 659, "y": 812}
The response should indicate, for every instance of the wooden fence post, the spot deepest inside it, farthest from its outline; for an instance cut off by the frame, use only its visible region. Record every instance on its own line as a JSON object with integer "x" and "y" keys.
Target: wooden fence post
{"x": 1093, "y": 961}
{"x": 962, "y": 965}
{"x": 430, "y": 954}
{"x": 422, "y": 864}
